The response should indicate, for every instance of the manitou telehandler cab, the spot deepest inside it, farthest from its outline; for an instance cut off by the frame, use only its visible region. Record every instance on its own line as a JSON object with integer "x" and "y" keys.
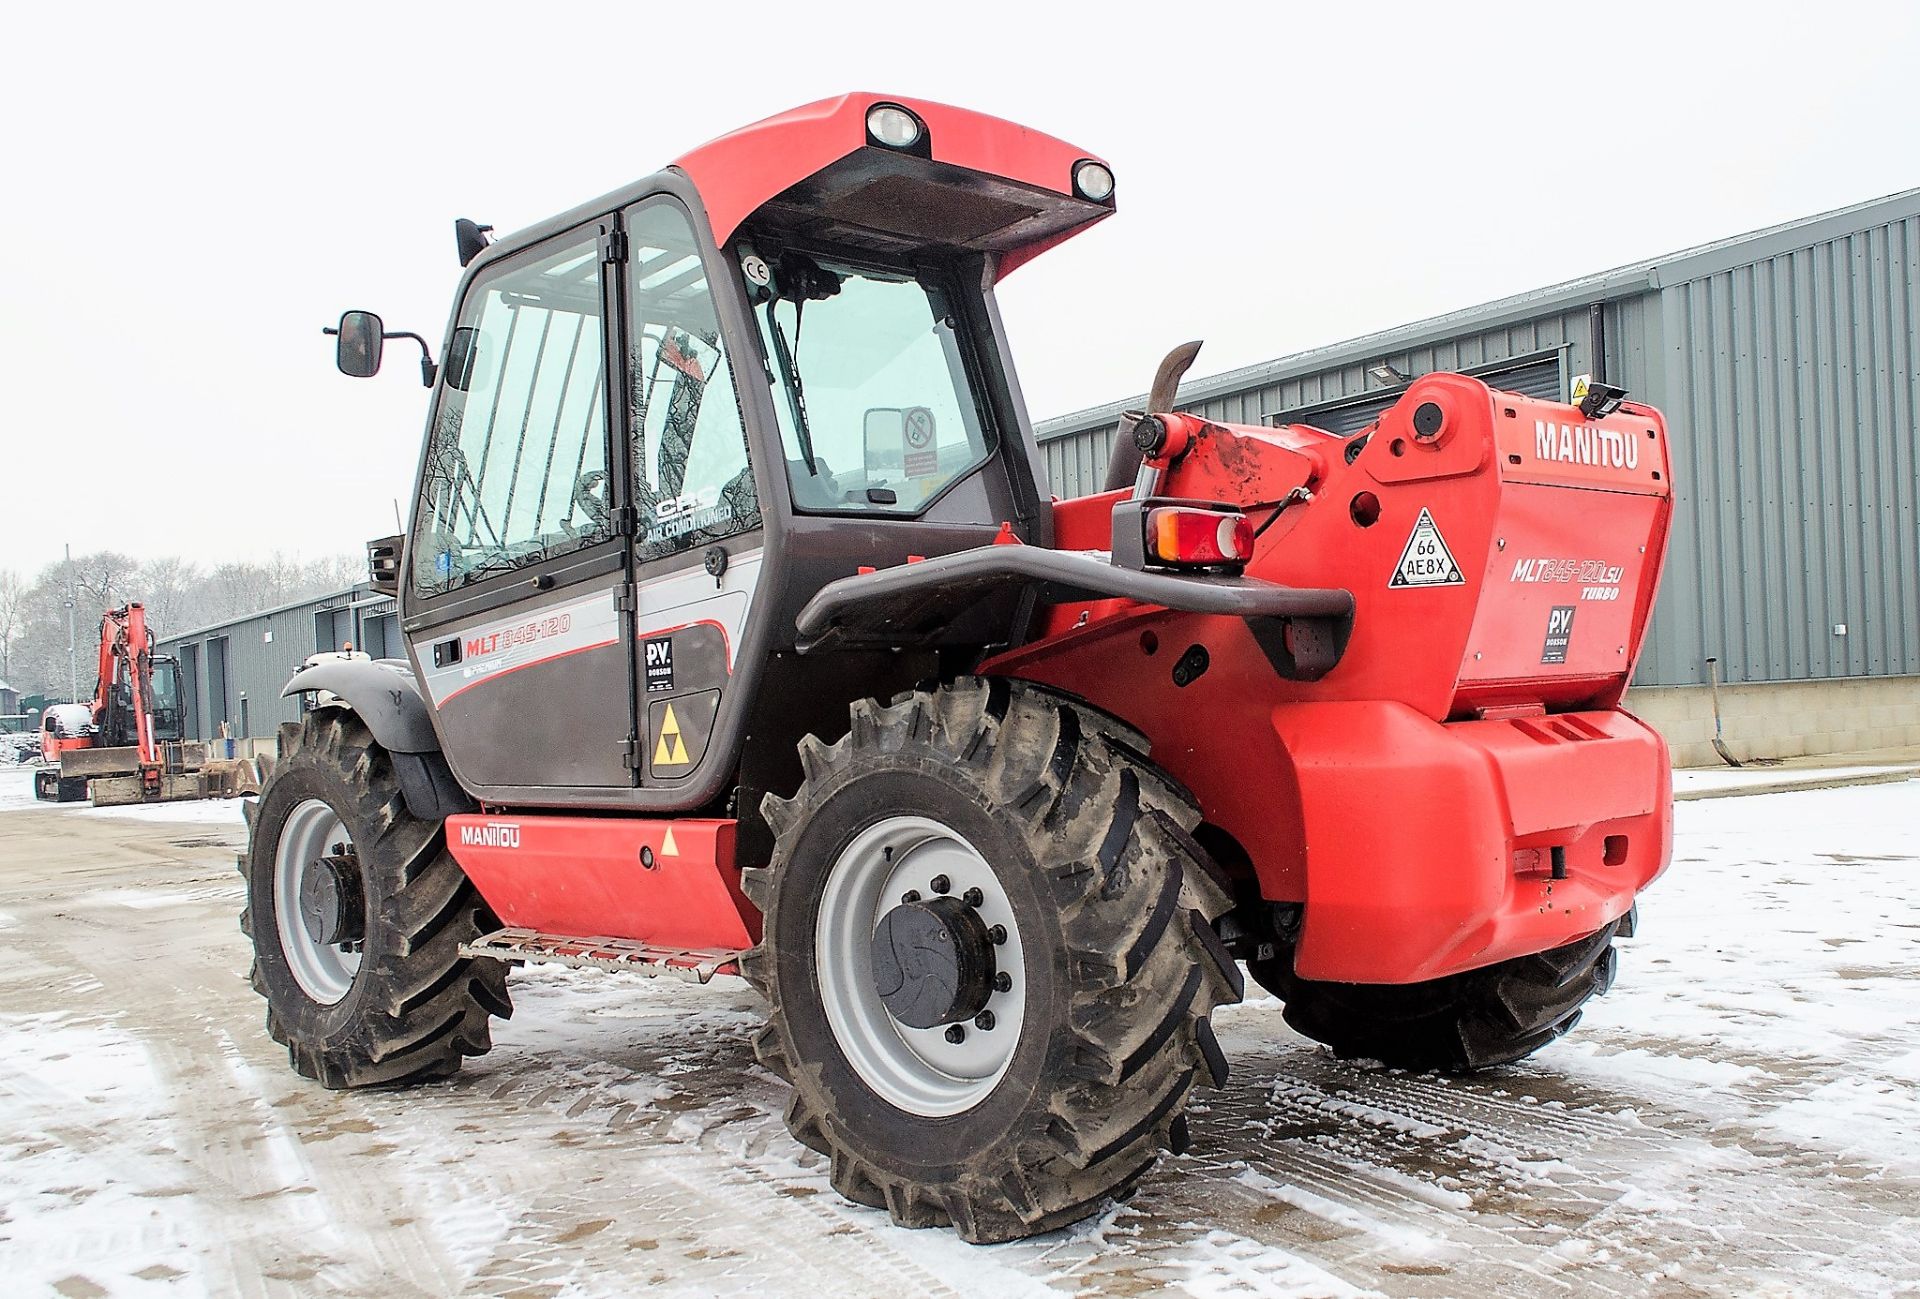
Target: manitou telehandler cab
{"x": 743, "y": 635}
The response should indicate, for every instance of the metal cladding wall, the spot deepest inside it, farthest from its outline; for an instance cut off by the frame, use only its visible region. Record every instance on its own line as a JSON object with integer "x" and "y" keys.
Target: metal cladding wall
{"x": 1787, "y": 363}
{"x": 261, "y": 652}
{"x": 1791, "y": 383}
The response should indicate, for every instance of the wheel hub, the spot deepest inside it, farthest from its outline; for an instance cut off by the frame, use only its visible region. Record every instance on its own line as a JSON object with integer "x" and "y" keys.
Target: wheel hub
{"x": 925, "y": 998}
{"x": 319, "y": 908}
{"x": 933, "y": 962}
{"x": 330, "y": 899}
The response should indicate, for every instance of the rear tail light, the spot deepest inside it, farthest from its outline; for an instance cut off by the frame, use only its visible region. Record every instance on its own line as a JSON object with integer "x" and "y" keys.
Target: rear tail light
{"x": 1203, "y": 538}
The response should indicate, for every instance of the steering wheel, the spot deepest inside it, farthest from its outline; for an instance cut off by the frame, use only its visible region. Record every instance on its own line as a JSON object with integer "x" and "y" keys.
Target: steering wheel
{"x": 590, "y": 496}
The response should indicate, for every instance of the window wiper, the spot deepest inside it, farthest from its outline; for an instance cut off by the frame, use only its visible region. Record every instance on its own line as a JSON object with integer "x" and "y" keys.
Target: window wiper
{"x": 790, "y": 378}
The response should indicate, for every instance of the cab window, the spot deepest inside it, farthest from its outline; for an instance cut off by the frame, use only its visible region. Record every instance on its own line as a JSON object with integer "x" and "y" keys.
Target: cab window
{"x": 693, "y": 483}
{"x": 877, "y": 408}
{"x": 516, "y": 467}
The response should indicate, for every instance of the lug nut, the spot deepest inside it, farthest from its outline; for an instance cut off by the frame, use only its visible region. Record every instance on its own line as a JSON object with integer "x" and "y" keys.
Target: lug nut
{"x": 998, "y": 934}
{"x": 941, "y": 884}
{"x": 1003, "y": 982}
{"x": 984, "y": 1021}
{"x": 956, "y": 1034}
{"x": 911, "y": 895}
{"x": 973, "y": 897}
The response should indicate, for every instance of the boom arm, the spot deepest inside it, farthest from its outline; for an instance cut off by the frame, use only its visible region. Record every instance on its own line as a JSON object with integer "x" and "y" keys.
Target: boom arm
{"x": 126, "y": 655}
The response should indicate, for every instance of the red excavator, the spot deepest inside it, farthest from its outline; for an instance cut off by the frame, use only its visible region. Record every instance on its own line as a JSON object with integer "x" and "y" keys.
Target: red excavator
{"x": 129, "y": 745}
{"x": 738, "y": 647}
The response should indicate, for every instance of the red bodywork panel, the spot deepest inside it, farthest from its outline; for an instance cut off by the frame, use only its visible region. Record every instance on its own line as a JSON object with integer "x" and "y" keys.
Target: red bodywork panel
{"x": 1411, "y": 828}
{"x": 588, "y": 877}
{"x": 744, "y": 169}
{"x": 52, "y": 746}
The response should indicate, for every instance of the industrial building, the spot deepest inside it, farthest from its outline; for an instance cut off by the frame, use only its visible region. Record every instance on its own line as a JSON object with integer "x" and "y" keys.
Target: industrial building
{"x": 1787, "y": 362}
{"x": 231, "y": 674}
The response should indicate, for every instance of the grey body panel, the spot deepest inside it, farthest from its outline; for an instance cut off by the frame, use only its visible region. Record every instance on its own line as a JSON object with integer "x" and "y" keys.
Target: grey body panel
{"x": 538, "y": 695}
{"x": 384, "y": 692}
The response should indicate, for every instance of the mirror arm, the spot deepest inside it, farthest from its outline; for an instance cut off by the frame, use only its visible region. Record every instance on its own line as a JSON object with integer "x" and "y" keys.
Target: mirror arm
{"x": 428, "y": 370}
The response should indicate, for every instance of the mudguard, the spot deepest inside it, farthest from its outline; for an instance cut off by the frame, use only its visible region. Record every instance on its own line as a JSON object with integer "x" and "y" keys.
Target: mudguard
{"x": 385, "y": 695}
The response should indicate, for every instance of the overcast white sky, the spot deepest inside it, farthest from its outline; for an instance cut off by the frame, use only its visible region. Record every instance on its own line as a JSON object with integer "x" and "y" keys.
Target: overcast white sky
{"x": 192, "y": 192}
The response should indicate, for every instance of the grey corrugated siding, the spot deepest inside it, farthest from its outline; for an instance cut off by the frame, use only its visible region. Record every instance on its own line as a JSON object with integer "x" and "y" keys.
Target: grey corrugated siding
{"x": 1790, "y": 379}
{"x": 261, "y": 667}
{"x": 1078, "y": 461}
{"x": 1791, "y": 388}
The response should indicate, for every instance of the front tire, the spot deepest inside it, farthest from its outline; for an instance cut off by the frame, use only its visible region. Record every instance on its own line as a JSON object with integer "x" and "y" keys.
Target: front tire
{"x": 1038, "y": 822}
{"x": 1458, "y": 1024}
{"x": 392, "y": 1001}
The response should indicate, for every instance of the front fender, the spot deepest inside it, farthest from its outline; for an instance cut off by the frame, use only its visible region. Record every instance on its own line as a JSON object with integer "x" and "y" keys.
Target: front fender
{"x": 384, "y": 692}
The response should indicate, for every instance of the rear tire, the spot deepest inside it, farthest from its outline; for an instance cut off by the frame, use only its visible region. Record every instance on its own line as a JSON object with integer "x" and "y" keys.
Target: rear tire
{"x": 406, "y": 1006}
{"x": 1457, "y": 1024}
{"x": 1108, "y": 902}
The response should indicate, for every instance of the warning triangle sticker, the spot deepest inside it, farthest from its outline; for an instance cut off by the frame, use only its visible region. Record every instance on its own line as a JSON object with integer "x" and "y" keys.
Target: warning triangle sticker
{"x": 668, "y": 848}
{"x": 671, "y": 751}
{"x": 1426, "y": 561}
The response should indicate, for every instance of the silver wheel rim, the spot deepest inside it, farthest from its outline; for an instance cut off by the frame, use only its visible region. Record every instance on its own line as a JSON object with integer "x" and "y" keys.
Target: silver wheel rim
{"x": 914, "y": 1069}
{"x": 324, "y": 971}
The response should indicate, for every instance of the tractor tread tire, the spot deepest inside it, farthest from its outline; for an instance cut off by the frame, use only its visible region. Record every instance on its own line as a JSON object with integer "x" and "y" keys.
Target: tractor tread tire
{"x": 1127, "y": 1034}
{"x": 1458, "y": 1024}
{"x": 417, "y": 1008}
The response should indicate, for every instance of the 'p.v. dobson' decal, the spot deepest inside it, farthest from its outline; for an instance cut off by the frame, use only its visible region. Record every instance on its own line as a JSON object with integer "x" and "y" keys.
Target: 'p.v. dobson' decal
{"x": 1426, "y": 561}
{"x": 1559, "y": 633}
{"x": 659, "y": 664}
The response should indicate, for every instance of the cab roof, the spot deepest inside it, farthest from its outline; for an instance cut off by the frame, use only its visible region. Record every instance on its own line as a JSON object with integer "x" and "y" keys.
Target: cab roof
{"x": 972, "y": 181}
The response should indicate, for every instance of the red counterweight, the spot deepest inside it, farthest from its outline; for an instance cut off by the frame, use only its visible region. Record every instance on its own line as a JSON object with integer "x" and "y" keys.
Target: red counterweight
{"x": 1503, "y": 554}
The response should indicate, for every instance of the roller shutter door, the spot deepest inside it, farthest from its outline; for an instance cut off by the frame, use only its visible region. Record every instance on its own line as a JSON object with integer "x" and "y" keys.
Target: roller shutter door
{"x": 1538, "y": 379}
{"x": 1541, "y": 380}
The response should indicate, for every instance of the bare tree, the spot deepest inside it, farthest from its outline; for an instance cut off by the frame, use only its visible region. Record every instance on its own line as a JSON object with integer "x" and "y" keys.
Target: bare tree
{"x": 101, "y": 578}
{"x": 179, "y": 597}
{"x": 12, "y": 595}
{"x": 170, "y": 588}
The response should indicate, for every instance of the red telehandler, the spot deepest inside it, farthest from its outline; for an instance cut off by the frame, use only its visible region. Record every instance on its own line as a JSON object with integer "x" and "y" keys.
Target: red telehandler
{"x": 128, "y": 747}
{"x": 733, "y": 646}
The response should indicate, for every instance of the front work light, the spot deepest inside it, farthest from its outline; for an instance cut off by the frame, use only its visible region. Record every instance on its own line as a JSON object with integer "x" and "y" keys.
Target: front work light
{"x": 892, "y": 126}
{"x": 1094, "y": 180}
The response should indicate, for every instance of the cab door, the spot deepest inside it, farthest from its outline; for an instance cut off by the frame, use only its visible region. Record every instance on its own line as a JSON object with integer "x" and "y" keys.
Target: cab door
{"x": 514, "y": 605}
{"x": 698, "y": 537}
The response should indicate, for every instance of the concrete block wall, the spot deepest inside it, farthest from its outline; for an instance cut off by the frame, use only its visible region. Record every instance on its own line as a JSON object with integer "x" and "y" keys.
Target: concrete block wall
{"x": 1783, "y": 719}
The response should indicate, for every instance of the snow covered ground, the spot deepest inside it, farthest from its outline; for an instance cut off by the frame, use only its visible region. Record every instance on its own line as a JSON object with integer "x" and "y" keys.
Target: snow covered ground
{"x": 1737, "y": 1118}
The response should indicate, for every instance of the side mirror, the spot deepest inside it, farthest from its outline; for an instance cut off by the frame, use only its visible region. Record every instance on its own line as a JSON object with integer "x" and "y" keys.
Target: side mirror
{"x": 883, "y": 435}
{"x": 362, "y": 338}
{"x": 899, "y": 443}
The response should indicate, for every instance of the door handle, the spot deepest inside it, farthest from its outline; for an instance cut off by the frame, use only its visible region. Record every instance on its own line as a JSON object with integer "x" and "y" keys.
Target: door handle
{"x": 446, "y": 651}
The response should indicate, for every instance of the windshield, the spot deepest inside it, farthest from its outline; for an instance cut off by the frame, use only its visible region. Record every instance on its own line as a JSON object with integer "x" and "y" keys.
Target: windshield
{"x": 876, "y": 410}
{"x": 166, "y": 699}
